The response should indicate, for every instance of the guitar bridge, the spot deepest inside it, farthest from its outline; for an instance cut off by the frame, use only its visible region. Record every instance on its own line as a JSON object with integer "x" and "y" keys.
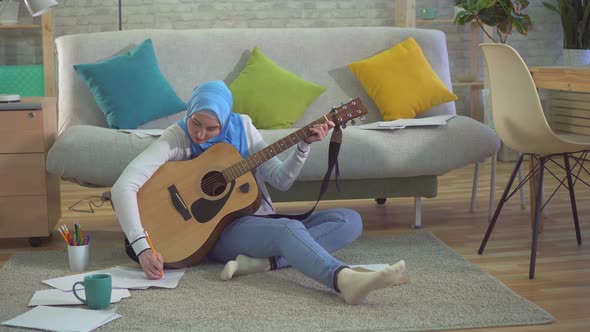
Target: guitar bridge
{"x": 178, "y": 203}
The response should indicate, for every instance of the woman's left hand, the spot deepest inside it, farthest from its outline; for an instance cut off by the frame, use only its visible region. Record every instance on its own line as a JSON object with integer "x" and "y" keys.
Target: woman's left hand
{"x": 319, "y": 131}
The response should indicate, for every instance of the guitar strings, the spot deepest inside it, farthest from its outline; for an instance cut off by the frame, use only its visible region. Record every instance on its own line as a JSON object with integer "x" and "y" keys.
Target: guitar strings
{"x": 207, "y": 184}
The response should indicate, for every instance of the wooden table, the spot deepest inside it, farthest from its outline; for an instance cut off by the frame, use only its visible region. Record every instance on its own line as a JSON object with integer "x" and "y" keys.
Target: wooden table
{"x": 564, "y": 78}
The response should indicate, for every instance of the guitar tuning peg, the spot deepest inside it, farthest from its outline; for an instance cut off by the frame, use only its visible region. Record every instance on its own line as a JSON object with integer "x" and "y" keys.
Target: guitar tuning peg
{"x": 343, "y": 126}
{"x": 352, "y": 122}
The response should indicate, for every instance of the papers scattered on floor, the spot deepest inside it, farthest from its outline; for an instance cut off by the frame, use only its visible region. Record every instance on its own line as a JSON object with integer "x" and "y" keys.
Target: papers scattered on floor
{"x": 58, "y": 297}
{"x": 123, "y": 277}
{"x": 63, "y": 319}
{"x": 48, "y": 318}
{"x": 439, "y": 120}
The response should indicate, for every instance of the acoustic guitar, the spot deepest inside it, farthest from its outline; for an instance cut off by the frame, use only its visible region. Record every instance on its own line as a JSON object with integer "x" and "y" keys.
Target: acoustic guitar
{"x": 185, "y": 205}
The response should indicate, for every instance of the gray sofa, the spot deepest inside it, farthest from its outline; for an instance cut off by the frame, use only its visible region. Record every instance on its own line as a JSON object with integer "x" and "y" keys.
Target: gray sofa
{"x": 373, "y": 163}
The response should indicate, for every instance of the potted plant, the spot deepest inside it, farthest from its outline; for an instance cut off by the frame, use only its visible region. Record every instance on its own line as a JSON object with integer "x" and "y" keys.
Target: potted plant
{"x": 575, "y": 22}
{"x": 503, "y": 15}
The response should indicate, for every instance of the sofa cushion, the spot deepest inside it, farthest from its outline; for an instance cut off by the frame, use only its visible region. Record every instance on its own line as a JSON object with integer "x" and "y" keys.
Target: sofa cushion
{"x": 318, "y": 55}
{"x": 413, "y": 151}
{"x": 102, "y": 154}
{"x": 401, "y": 81}
{"x": 130, "y": 89}
{"x": 271, "y": 95}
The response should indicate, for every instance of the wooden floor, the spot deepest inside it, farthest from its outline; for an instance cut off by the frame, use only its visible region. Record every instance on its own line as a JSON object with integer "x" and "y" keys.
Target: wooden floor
{"x": 562, "y": 283}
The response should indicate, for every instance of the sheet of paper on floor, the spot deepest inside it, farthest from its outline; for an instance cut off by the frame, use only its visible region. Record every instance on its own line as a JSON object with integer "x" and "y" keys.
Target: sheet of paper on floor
{"x": 59, "y": 297}
{"x": 63, "y": 319}
{"x": 123, "y": 277}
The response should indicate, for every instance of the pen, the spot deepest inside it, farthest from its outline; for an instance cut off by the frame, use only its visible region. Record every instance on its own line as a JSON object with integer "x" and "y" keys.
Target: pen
{"x": 149, "y": 240}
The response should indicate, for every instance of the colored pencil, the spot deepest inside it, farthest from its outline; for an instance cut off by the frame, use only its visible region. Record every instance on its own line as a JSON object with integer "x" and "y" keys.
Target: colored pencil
{"x": 75, "y": 238}
{"x": 149, "y": 240}
{"x": 64, "y": 236}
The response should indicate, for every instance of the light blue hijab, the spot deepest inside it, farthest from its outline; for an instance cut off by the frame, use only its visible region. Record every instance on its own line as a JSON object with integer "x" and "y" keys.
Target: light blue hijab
{"x": 216, "y": 97}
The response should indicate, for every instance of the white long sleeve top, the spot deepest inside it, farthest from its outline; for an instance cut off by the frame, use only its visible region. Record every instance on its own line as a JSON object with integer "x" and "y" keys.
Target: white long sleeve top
{"x": 174, "y": 145}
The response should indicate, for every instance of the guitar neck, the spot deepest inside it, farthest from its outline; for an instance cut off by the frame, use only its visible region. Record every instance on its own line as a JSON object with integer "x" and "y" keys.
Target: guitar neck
{"x": 254, "y": 160}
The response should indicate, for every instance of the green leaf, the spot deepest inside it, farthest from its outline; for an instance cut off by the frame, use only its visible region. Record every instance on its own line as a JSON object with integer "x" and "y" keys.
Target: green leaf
{"x": 504, "y": 15}
{"x": 551, "y": 7}
{"x": 463, "y": 18}
{"x": 522, "y": 24}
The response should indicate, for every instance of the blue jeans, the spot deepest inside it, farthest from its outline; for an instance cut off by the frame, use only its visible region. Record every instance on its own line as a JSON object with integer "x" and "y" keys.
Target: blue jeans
{"x": 306, "y": 245}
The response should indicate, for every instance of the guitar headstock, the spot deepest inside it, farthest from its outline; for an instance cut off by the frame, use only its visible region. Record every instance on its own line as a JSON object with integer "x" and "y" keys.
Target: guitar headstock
{"x": 347, "y": 112}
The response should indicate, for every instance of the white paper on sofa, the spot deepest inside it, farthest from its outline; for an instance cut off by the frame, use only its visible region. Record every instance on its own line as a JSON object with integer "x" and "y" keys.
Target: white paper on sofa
{"x": 439, "y": 120}
{"x": 143, "y": 133}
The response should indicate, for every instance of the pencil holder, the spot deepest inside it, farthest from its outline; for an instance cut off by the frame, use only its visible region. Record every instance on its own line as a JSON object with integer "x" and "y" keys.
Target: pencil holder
{"x": 78, "y": 257}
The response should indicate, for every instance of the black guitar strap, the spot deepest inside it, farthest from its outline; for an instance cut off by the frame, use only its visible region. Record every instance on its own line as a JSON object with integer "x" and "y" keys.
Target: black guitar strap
{"x": 333, "y": 151}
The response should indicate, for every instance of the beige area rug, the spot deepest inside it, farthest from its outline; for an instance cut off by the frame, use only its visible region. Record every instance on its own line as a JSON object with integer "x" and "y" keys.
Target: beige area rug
{"x": 445, "y": 292}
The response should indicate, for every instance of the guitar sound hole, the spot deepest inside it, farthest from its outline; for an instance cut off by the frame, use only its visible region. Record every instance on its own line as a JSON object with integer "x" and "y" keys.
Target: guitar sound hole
{"x": 213, "y": 184}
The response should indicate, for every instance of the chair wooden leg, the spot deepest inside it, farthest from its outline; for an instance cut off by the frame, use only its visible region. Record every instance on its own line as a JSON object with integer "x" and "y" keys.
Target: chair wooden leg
{"x": 538, "y": 204}
{"x": 499, "y": 208}
{"x": 570, "y": 185}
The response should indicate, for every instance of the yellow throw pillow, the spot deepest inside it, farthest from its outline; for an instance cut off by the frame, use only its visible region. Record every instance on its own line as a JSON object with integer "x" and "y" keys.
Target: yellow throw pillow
{"x": 401, "y": 81}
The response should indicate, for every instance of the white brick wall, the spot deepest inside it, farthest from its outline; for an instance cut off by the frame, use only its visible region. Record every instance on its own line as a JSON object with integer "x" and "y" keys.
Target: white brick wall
{"x": 541, "y": 47}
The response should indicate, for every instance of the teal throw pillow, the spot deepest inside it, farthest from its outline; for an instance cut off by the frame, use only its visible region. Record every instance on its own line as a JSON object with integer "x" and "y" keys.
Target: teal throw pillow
{"x": 130, "y": 89}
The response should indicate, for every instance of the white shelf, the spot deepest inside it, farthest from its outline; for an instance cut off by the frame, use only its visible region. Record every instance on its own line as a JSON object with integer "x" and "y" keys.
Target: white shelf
{"x": 20, "y": 26}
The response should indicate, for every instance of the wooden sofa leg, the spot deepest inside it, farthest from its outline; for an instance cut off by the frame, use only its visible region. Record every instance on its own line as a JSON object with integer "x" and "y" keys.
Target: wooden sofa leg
{"x": 418, "y": 213}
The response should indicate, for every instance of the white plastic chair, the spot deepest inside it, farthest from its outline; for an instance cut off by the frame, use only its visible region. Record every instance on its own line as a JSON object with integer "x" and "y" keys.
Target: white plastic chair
{"x": 521, "y": 125}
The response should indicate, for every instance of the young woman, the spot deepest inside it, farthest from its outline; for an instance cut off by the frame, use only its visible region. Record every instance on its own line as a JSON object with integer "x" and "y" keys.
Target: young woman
{"x": 252, "y": 243}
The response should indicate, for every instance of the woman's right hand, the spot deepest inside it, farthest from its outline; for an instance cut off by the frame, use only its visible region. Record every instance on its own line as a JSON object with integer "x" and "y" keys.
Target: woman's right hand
{"x": 152, "y": 265}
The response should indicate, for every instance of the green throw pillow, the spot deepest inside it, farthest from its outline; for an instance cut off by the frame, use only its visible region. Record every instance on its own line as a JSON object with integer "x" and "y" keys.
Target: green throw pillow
{"x": 272, "y": 96}
{"x": 130, "y": 89}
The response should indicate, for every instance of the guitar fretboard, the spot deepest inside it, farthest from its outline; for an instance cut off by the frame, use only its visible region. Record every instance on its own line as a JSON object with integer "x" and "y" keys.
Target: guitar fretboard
{"x": 339, "y": 115}
{"x": 254, "y": 160}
